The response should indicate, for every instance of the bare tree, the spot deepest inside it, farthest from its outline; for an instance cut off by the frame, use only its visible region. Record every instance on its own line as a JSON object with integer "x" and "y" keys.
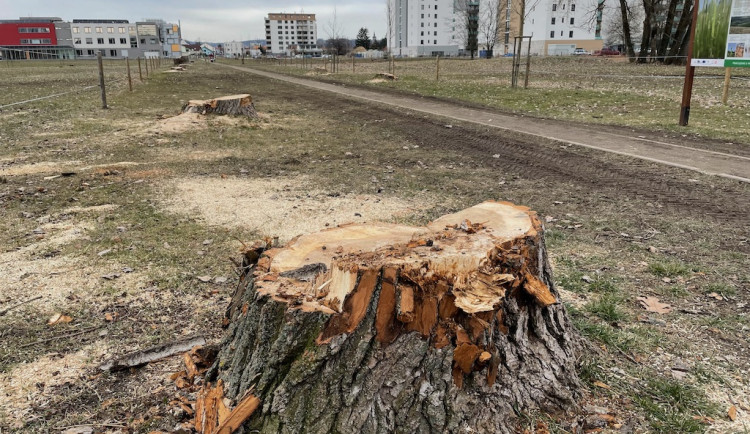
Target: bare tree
{"x": 466, "y": 30}
{"x": 336, "y": 42}
{"x": 489, "y": 24}
{"x": 391, "y": 36}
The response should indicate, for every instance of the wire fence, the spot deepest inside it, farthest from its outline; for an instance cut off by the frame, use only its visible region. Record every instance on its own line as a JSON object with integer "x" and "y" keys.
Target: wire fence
{"x": 26, "y": 82}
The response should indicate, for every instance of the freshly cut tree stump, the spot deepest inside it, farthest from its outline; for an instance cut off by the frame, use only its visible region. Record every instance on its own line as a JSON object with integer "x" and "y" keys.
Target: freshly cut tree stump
{"x": 238, "y": 105}
{"x": 452, "y": 327}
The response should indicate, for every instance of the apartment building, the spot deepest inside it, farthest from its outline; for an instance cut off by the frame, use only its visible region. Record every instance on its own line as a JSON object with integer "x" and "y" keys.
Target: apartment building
{"x": 558, "y": 27}
{"x": 290, "y": 34}
{"x": 114, "y": 38}
{"x": 170, "y": 37}
{"x": 425, "y": 28}
{"x": 234, "y": 49}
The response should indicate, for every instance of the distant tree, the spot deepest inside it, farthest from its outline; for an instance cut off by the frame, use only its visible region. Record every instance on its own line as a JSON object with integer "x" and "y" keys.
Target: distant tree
{"x": 262, "y": 49}
{"x": 374, "y": 42}
{"x": 383, "y": 43}
{"x": 340, "y": 46}
{"x": 363, "y": 38}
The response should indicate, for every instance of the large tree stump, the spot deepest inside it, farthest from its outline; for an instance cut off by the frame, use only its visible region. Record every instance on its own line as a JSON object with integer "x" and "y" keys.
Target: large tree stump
{"x": 390, "y": 328}
{"x": 238, "y": 105}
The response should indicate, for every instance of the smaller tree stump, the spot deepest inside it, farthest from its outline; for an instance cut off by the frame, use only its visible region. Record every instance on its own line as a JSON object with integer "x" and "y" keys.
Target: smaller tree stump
{"x": 236, "y": 105}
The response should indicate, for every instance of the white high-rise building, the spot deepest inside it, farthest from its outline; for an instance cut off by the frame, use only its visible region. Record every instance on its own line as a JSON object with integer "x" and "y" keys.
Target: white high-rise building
{"x": 558, "y": 27}
{"x": 425, "y": 28}
{"x": 114, "y": 38}
{"x": 291, "y": 34}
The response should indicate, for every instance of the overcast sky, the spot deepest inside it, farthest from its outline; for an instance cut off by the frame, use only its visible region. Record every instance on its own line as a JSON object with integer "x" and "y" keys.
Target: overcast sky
{"x": 215, "y": 21}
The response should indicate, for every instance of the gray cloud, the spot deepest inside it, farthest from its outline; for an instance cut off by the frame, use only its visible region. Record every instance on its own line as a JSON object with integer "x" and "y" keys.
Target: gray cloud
{"x": 218, "y": 21}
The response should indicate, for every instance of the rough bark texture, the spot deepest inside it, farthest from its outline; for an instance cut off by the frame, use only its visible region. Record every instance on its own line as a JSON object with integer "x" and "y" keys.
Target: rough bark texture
{"x": 238, "y": 105}
{"x": 415, "y": 345}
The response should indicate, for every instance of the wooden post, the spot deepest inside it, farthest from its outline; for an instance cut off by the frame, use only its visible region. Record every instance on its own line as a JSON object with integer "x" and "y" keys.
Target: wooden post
{"x": 101, "y": 79}
{"x": 353, "y": 71}
{"x": 687, "y": 87}
{"x": 145, "y": 60}
{"x": 130, "y": 80}
{"x": 437, "y": 68}
{"x": 140, "y": 71}
{"x": 727, "y": 78}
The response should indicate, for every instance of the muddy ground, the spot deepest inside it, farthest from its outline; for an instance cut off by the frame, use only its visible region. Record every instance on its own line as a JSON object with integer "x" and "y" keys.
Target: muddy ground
{"x": 147, "y": 211}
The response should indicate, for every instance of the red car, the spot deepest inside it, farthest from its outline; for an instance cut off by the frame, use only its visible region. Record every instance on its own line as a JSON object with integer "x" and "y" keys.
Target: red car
{"x": 606, "y": 52}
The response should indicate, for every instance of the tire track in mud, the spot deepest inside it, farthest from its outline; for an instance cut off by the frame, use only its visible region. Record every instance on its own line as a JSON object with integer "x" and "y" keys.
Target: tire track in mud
{"x": 539, "y": 159}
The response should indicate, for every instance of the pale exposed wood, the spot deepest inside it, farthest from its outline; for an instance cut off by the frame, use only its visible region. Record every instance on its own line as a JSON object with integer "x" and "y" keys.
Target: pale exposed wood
{"x": 151, "y": 354}
{"x": 239, "y": 415}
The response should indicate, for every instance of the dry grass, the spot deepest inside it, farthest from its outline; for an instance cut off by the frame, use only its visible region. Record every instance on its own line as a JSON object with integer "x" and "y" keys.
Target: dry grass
{"x": 172, "y": 206}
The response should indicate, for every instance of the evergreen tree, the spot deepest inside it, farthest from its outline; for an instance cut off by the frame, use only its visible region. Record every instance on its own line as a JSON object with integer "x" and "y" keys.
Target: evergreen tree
{"x": 374, "y": 43}
{"x": 363, "y": 39}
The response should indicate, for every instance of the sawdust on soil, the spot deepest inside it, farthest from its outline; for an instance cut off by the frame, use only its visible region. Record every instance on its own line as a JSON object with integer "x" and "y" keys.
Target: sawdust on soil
{"x": 280, "y": 207}
{"x": 192, "y": 121}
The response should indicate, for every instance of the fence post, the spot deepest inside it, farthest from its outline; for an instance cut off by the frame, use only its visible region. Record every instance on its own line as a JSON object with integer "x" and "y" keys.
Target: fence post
{"x": 145, "y": 62}
{"x": 130, "y": 80}
{"x": 101, "y": 79}
{"x": 140, "y": 71}
{"x": 437, "y": 69}
{"x": 727, "y": 78}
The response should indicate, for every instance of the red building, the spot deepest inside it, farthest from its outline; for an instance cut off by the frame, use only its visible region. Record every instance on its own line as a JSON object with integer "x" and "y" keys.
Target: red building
{"x": 32, "y": 38}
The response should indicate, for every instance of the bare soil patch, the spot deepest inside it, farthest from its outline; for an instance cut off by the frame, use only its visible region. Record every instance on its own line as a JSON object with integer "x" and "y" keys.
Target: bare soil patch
{"x": 279, "y": 207}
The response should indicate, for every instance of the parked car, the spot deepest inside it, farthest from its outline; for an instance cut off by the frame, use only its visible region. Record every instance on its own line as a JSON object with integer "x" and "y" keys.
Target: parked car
{"x": 580, "y": 52}
{"x": 606, "y": 52}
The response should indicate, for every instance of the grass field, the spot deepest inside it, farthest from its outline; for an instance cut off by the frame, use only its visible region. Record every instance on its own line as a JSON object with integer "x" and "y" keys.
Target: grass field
{"x": 592, "y": 89}
{"x": 134, "y": 244}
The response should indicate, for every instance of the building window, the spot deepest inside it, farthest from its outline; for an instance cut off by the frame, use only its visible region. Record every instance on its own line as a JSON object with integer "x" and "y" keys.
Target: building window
{"x": 573, "y": 7}
{"x": 123, "y": 41}
{"x": 553, "y": 21}
{"x": 100, "y": 40}
{"x": 435, "y": 41}
{"x": 77, "y": 41}
{"x": 421, "y": 33}
{"x": 421, "y": 24}
{"x": 87, "y": 30}
{"x": 554, "y": 7}
{"x": 435, "y": 32}
{"x": 422, "y": 16}
{"x": 75, "y": 29}
{"x": 421, "y": 42}
{"x": 110, "y": 29}
{"x": 89, "y": 41}
{"x": 121, "y": 29}
{"x": 435, "y": 24}
{"x": 133, "y": 42}
{"x": 79, "y": 52}
{"x": 90, "y": 52}
{"x": 571, "y": 34}
{"x": 561, "y": 33}
{"x": 572, "y": 20}
{"x": 113, "y": 53}
{"x": 552, "y": 34}
{"x": 98, "y": 30}
{"x": 112, "y": 40}
{"x": 143, "y": 40}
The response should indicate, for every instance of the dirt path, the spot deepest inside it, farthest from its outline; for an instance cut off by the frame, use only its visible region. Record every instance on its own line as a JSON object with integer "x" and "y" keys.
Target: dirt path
{"x": 705, "y": 161}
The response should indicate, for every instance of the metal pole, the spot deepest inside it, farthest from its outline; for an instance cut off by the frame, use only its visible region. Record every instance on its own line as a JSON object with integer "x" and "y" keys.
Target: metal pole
{"x": 727, "y": 78}
{"x": 101, "y": 79}
{"x": 687, "y": 87}
{"x": 140, "y": 71}
{"x": 130, "y": 80}
{"x": 528, "y": 63}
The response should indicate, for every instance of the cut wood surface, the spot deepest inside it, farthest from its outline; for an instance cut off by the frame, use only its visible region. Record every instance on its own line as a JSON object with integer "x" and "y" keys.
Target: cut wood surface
{"x": 384, "y": 327}
{"x": 238, "y": 105}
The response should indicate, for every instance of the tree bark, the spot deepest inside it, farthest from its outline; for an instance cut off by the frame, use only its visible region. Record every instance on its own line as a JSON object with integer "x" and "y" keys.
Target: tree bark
{"x": 238, "y": 105}
{"x": 625, "y": 16}
{"x": 452, "y": 327}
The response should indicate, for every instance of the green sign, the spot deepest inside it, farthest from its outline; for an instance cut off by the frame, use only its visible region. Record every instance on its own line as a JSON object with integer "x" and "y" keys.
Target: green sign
{"x": 722, "y": 34}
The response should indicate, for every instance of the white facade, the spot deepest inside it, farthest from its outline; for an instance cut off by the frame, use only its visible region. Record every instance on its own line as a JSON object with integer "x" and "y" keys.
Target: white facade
{"x": 233, "y": 49}
{"x": 424, "y": 28}
{"x": 291, "y": 33}
{"x": 114, "y": 37}
{"x": 558, "y": 27}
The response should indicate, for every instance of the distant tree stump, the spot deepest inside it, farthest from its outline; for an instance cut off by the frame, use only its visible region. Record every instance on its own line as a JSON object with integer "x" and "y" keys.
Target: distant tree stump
{"x": 390, "y": 328}
{"x": 237, "y": 105}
